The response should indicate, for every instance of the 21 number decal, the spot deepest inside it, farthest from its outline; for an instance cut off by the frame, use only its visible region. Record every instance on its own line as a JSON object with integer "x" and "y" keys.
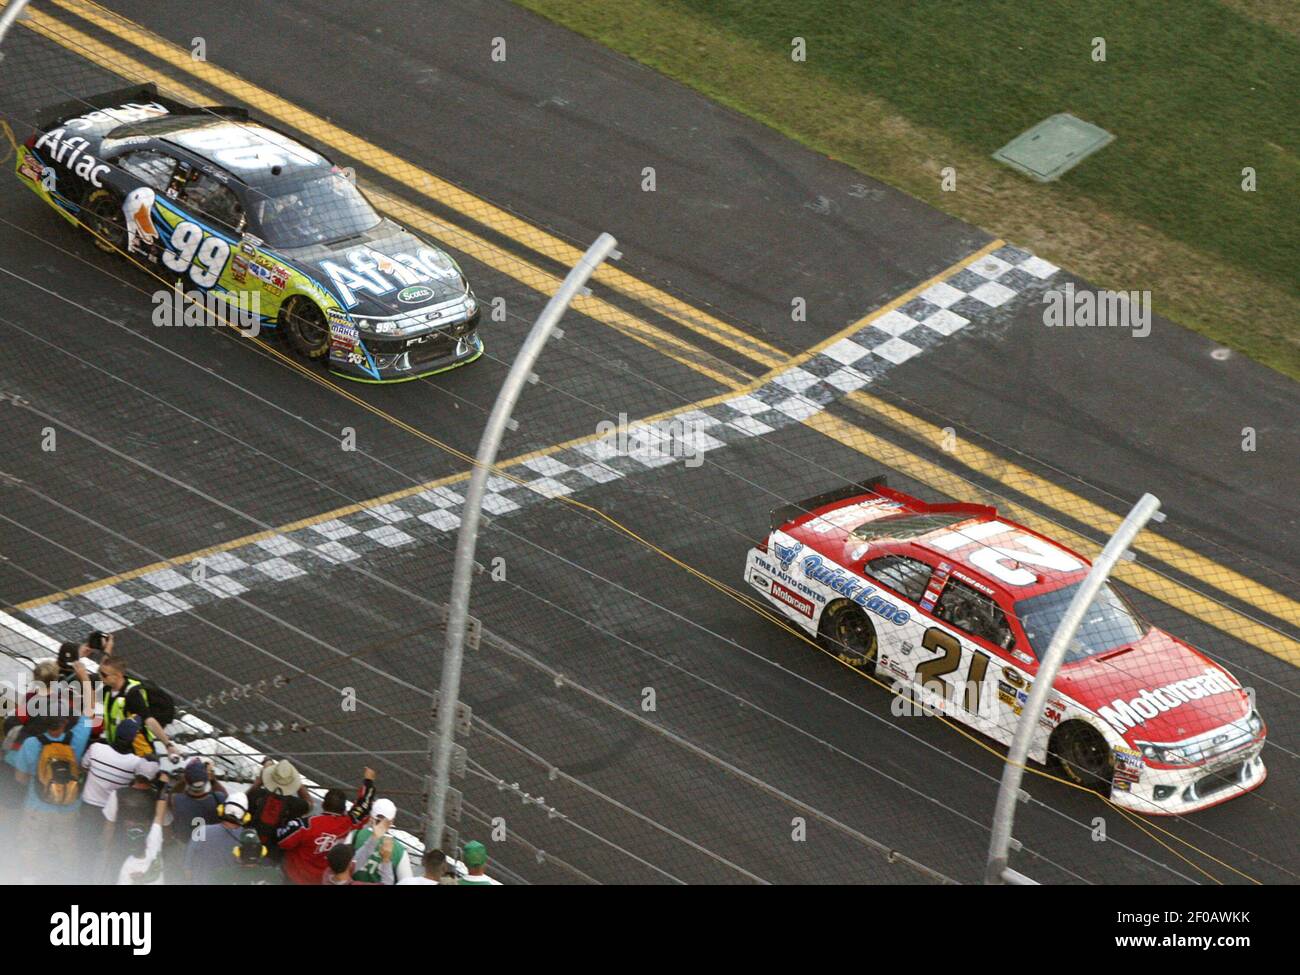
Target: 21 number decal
{"x": 932, "y": 671}
{"x": 204, "y": 257}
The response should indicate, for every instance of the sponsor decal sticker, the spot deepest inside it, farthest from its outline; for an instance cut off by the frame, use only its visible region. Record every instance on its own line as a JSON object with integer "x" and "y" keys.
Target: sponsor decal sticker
{"x": 415, "y": 295}
{"x": 792, "y": 599}
{"x": 1123, "y": 715}
{"x": 836, "y": 579}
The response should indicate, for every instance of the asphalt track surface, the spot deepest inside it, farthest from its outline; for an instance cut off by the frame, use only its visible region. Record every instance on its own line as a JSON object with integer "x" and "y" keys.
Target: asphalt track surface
{"x": 170, "y": 441}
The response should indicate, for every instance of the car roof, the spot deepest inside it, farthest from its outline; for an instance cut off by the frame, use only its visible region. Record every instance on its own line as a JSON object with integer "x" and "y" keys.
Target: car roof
{"x": 973, "y": 541}
{"x": 254, "y": 153}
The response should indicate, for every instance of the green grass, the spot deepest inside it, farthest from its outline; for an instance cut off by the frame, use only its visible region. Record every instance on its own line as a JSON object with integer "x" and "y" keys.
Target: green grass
{"x": 1193, "y": 90}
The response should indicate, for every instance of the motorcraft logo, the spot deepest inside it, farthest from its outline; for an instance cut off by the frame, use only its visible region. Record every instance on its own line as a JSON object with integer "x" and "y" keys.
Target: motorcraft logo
{"x": 102, "y": 929}
{"x": 835, "y": 578}
{"x": 792, "y": 599}
{"x": 1123, "y": 715}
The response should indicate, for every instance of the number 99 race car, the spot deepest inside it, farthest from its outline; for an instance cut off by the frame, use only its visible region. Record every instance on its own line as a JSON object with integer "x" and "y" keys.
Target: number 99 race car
{"x": 236, "y": 209}
{"x": 955, "y": 605}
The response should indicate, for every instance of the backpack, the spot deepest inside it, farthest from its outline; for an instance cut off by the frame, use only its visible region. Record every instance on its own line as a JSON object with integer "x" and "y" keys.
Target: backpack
{"x": 161, "y": 706}
{"x": 58, "y": 776}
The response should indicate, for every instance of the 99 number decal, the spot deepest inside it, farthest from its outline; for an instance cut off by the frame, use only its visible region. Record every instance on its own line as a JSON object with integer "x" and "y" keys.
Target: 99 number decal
{"x": 203, "y": 256}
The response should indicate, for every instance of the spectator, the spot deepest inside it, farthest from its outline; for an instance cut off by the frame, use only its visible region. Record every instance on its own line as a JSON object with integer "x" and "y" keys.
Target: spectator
{"x": 125, "y": 697}
{"x": 48, "y": 765}
{"x": 384, "y": 814}
{"x": 109, "y": 767}
{"x": 279, "y": 797}
{"x": 144, "y": 864}
{"x": 344, "y": 860}
{"x": 195, "y": 805}
{"x": 209, "y": 854}
{"x": 132, "y": 807}
{"x": 306, "y": 840}
{"x": 435, "y": 871}
{"x": 475, "y": 859}
{"x": 339, "y": 866}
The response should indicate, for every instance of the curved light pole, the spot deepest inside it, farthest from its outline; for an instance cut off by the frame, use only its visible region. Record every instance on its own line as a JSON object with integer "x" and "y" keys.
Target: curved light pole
{"x": 440, "y": 746}
{"x": 1004, "y": 814}
{"x": 8, "y": 16}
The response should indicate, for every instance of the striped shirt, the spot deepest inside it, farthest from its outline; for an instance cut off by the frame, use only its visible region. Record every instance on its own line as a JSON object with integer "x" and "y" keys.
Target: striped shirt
{"x": 108, "y": 770}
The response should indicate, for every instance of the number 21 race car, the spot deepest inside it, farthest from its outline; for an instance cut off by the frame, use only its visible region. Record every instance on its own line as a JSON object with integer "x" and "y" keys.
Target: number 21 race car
{"x": 955, "y": 605}
{"x": 235, "y": 210}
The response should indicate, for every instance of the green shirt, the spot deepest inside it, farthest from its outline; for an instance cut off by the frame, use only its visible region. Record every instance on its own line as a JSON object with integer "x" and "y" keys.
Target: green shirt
{"x": 369, "y": 872}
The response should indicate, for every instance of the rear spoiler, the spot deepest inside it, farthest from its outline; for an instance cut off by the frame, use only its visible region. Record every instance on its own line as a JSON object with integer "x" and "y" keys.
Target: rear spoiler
{"x": 134, "y": 93}
{"x": 785, "y": 513}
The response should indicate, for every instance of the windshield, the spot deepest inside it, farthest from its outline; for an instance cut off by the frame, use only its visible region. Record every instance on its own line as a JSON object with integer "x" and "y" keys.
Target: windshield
{"x": 1107, "y": 624}
{"x": 319, "y": 210}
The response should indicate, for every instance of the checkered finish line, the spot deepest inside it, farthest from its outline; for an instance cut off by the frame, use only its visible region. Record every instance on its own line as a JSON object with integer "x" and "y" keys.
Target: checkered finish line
{"x": 791, "y": 396}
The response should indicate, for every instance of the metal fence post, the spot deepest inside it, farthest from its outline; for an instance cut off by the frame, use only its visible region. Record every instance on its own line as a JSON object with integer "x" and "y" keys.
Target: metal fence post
{"x": 441, "y": 741}
{"x": 11, "y": 13}
{"x": 1004, "y": 813}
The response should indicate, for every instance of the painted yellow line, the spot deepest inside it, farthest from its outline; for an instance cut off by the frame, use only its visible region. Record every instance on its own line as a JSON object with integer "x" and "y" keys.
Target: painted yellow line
{"x": 464, "y": 241}
{"x": 1081, "y": 509}
{"x": 326, "y": 133}
{"x": 1050, "y": 494}
{"x": 1166, "y": 590}
{"x": 871, "y": 316}
{"x": 181, "y": 561}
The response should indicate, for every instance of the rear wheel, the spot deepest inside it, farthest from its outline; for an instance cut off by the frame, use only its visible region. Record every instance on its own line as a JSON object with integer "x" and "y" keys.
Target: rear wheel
{"x": 102, "y": 215}
{"x": 304, "y": 326}
{"x": 847, "y": 632}
{"x": 1080, "y": 751}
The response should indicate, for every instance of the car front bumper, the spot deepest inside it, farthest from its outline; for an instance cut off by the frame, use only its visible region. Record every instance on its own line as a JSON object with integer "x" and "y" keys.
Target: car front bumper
{"x": 1175, "y": 791}
{"x": 384, "y": 360}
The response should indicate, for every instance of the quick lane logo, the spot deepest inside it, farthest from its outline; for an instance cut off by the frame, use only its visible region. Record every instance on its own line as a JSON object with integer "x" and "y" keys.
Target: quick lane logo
{"x": 836, "y": 579}
{"x": 1123, "y": 715}
{"x": 99, "y": 929}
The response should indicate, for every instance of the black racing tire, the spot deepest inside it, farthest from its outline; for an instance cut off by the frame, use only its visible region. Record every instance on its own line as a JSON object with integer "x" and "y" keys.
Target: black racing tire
{"x": 846, "y": 631}
{"x": 305, "y": 328}
{"x": 1081, "y": 753}
{"x": 102, "y": 216}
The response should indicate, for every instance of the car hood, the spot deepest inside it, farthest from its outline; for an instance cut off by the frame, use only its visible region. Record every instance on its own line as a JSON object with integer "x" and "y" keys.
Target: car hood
{"x": 1156, "y": 690}
{"x": 383, "y": 272}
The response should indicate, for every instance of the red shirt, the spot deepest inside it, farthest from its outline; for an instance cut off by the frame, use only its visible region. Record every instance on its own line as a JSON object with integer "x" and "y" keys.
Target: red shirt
{"x": 307, "y": 841}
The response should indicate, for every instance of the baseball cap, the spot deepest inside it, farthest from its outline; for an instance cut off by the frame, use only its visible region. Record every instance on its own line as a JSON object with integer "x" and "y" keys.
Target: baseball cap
{"x": 126, "y": 731}
{"x": 196, "y": 777}
{"x": 475, "y": 854}
{"x": 385, "y": 809}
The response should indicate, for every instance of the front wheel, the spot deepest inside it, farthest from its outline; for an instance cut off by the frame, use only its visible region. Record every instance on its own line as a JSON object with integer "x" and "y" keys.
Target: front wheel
{"x": 847, "y": 632}
{"x": 1080, "y": 751}
{"x": 304, "y": 327}
{"x": 102, "y": 215}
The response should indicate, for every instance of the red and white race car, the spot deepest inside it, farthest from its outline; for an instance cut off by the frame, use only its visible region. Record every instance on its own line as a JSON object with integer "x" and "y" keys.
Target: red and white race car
{"x": 955, "y": 604}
